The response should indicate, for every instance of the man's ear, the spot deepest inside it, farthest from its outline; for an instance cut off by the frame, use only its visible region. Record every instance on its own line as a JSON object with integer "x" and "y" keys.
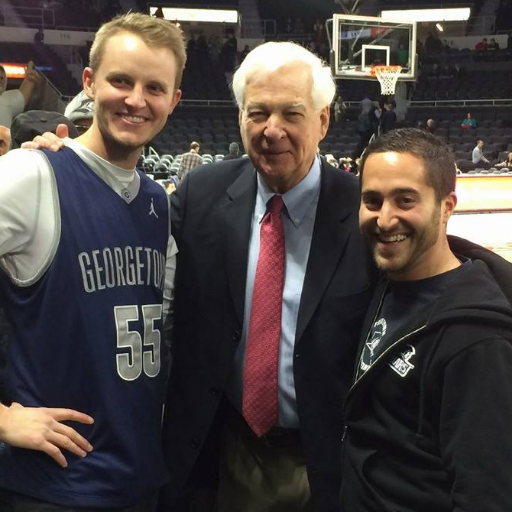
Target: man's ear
{"x": 175, "y": 99}
{"x": 88, "y": 82}
{"x": 449, "y": 204}
{"x": 325, "y": 115}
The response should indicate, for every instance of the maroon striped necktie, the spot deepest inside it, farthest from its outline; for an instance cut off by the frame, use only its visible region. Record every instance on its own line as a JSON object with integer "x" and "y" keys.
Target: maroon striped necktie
{"x": 259, "y": 405}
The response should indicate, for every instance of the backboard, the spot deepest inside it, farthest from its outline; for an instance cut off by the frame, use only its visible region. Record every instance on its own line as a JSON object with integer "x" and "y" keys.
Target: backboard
{"x": 360, "y": 42}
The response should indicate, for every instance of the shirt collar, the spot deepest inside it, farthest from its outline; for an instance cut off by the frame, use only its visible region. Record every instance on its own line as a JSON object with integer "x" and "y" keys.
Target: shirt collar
{"x": 297, "y": 200}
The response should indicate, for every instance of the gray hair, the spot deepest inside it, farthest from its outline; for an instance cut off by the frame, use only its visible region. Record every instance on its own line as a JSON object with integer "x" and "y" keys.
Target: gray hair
{"x": 269, "y": 57}
{"x": 234, "y": 149}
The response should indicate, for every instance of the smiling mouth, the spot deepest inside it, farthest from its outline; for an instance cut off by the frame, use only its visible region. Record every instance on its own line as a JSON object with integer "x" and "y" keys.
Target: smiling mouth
{"x": 391, "y": 239}
{"x": 274, "y": 153}
{"x": 133, "y": 119}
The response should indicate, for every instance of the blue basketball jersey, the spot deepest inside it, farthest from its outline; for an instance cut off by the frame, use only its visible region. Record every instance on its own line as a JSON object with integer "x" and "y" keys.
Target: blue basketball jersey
{"x": 88, "y": 336}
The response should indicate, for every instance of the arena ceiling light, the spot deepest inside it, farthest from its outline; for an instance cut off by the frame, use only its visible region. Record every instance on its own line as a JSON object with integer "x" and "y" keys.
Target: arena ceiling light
{"x": 198, "y": 15}
{"x": 14, "y": 70}
{"x": 448, "y": 14}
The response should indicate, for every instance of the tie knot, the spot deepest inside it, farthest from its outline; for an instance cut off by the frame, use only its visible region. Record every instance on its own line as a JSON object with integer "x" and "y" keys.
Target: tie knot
{"x": 276, "y": 205}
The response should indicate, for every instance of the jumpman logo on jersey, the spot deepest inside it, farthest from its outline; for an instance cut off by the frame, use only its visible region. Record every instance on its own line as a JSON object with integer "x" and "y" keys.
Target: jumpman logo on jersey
{"x": 152, "y": 209}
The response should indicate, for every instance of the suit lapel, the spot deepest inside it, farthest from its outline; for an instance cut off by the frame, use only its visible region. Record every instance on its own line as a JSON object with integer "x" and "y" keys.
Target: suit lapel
{"x": 235, "y": 229}
{"x": 330, "y": 237}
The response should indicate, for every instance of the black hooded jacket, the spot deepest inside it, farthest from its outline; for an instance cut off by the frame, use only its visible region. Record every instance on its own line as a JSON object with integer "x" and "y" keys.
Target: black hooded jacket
{"x": 428, "y": 425}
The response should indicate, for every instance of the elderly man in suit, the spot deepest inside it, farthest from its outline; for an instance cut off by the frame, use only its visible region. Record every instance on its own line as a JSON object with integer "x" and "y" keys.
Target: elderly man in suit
{"x": 272, "y": 283}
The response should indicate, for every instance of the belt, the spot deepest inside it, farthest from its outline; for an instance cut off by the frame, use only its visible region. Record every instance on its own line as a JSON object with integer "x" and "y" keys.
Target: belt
{"x": 276, "y": 437}
{"x": 279, "y": 437}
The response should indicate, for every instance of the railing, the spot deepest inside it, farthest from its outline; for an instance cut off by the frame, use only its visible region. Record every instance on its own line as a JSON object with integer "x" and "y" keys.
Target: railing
{"x": 462, "y": 103}
{"x": 31, "y": 17}
{"x": 355, "y": 104}
{"x": 71, "y": 28}
{"x": 478, "y": 26}
{"x": 52, "y": 99}
{"x": 298, "y": 38}
{"x": 208, "y": 103}
{"x": 257, "y": 28}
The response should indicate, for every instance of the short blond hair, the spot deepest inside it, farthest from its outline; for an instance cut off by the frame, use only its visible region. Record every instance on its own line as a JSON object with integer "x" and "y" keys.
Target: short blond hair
{"x": 154, "y": 32}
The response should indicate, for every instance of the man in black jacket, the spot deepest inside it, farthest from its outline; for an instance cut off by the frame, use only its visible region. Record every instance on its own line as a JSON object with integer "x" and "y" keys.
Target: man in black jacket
{"x": 428, "y": 415}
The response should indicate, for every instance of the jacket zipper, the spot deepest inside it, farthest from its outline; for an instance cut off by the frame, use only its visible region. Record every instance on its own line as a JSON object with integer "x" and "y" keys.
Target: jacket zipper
{"x": 345, "y": 426}
{"x": 391, "y": 347}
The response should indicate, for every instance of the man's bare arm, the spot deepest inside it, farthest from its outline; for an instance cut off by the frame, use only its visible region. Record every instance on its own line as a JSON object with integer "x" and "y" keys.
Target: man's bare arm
{"x": 29, "y": 84}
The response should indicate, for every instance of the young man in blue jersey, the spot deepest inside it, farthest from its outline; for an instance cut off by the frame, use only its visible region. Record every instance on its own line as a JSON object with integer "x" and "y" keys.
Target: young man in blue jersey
{"x": 86, "y": 266}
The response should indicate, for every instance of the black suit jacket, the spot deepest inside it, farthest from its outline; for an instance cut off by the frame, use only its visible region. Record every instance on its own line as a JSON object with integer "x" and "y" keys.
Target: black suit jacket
{"x": 211, "y": 220}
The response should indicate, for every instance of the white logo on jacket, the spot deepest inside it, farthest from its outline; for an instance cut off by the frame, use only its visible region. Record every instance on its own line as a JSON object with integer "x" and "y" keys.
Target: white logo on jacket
{"x": 402, "y": 364}
{"x": 379, "y": 330}
{"x": 368, "y": 355}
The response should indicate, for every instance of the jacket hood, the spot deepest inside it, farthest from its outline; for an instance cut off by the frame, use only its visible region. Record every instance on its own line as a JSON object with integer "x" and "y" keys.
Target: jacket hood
{"x": 475, "y": 297}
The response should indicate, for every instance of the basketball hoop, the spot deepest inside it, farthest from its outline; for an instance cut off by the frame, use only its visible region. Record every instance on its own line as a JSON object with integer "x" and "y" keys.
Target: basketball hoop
{"x": 387, "y": 76}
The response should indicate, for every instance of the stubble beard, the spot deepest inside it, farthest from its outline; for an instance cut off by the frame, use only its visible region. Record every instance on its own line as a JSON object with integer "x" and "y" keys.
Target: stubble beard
{"x": 420, "y": 242}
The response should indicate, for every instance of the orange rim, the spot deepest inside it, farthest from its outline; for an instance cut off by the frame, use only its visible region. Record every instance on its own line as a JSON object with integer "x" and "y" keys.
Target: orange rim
{"x": 384, "y": 68}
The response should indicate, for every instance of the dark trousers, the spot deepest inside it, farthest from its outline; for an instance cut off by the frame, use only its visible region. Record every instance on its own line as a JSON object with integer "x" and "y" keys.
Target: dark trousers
{"x": 14, "y": 502}
{"x": 265, "y": 474}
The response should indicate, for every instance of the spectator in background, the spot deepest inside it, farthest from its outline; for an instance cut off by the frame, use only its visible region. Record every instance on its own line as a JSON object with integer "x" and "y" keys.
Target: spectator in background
{"x": 506, "y": 163}
{"x": 364, "y": 129}
{"x": 190, "y": 160}
{"x": 13, "y": 102}
{"x": 311, "y": 46}
{"x": 477, "y": 155}
{"x": 318, "y": 30}
{"x": 433, "y": 44}
{"x": 214, "y": 48}
{"x": 234, "y": 151}
{"x": 388, "y": 118}
{"x": 298, "y": 26}
{"x": 339, "y": 109}
{"x": 229, "y": 56}
{"x": 80, "y": 111}
{"x": 429, "y": 43}
{"x": 5, "y": 140}
{"x": 468, "y": 122}
{"x": 346, "y": 164}
{"x": 431, "y": 126}
{"x": 39, "y": 37}
{"x": 331, "y": 160}
{"x": 159, "y": 13}
{"x": 244, "y": 52}
{"x": 420, "y": 50}
{"x": 402, "y": 55}
{"x": 375, "y": 115}
{"x": 366, "y": 103}
{"x": 170, "y": 184}
{"x": 482, "y": 45}
{"x": 28, "y": 125}
{"x": 493, "y": 44}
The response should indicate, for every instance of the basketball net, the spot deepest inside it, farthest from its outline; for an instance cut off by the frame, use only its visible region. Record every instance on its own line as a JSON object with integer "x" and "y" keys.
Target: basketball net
{"x": 388, "y": 77}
